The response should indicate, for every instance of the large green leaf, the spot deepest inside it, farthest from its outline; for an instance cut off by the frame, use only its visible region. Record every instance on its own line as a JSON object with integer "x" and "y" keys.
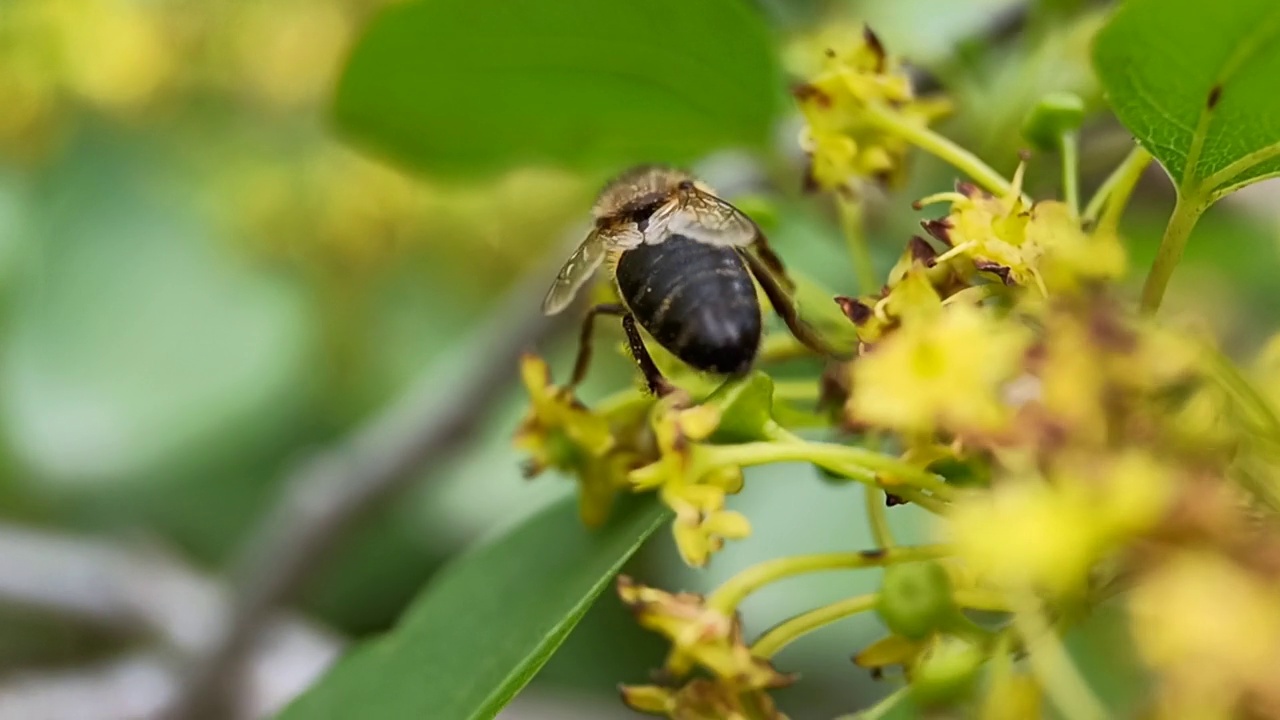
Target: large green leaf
{"x": 484, "y": 627}
{"x": 1195, "y": 82}
{"x": 462, "y": 87}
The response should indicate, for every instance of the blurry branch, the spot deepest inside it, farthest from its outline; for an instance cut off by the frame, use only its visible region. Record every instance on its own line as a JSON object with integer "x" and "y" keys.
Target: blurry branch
{"x": 324, "y": 497}
{"x": 142, "y": 591}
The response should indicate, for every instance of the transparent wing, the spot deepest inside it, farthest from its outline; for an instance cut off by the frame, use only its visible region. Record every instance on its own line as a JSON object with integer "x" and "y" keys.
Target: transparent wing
{"x": 580, "y": 266}
{"x": 701, "y": 216}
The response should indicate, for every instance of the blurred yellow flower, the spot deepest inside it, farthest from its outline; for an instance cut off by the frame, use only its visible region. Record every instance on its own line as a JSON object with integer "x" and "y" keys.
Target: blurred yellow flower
{"x": 116, "y": 54}
{"x": 1210, "y": 628}
{"x": 1070, "y": 257}
{"x": 287, "y": 54}
{"x": 1048, "y": 533}
{"x": 854, "y": 74}
{"x": 943, "y": 368}
{"x": 559, "y": 432}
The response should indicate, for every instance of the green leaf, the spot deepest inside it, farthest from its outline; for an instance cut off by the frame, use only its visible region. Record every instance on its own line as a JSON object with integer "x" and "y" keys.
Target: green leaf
{"x": 746, "y": 408}
{"x": 1195, "y": 83}
{"x": 454, "y": 87}
{"x": 484, "y": 627}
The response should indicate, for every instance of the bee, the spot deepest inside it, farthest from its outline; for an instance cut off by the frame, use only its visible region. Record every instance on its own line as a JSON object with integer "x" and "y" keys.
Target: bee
{"x": 682, "y": 260}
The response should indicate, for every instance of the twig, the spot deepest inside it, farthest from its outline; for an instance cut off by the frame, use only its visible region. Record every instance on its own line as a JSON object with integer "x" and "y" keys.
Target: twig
{"x": 140, "y": 590}
{"x": 325, "y": 497}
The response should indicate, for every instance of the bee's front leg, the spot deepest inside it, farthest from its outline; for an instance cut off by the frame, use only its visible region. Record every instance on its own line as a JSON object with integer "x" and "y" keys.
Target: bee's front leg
{"x": 658, "y": 385}
{"x": 583, "y": 362}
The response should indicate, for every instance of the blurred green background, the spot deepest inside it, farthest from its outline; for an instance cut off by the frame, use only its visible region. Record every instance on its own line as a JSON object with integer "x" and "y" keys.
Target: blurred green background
{"x": 201, "y": 283}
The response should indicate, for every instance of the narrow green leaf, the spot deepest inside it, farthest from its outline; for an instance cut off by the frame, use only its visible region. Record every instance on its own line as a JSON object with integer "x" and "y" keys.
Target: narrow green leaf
{"x": 484, "y": 627}
{"x": 459, "y": 87}
{"x": 1195, "y": 82}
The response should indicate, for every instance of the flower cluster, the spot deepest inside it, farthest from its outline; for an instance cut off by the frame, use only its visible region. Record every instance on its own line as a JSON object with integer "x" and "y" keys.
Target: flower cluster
{"x": 705, "y": 638}
{"x": 1072, "y": 450}
{"x": 856, "y": 89}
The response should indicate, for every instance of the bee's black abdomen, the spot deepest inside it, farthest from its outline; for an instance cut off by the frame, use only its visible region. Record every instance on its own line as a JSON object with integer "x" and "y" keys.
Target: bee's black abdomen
{"x": 697, "y": 300}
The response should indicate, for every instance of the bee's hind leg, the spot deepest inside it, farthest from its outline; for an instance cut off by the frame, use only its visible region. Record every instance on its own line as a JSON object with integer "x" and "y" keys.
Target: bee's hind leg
{"x": 583, "y": 362}
{"x": 658, "y": 385}
{"x": 774, "y": 289}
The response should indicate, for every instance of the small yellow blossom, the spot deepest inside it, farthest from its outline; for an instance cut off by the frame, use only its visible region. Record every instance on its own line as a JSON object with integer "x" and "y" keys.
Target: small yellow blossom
{"x": 988, "y": 230}
{"x": 691, "y": 482}
{"x": 944, "y": 368}
{"x": 1071, "y": 257}
{"x": 559, "y": 432}
{"x": 917, "y": 285}
{"x": 701, "y": 699}
{"x": 843, "y": 142}
{"x": 700, "y": 636}
{"x": 1039, "y": 245}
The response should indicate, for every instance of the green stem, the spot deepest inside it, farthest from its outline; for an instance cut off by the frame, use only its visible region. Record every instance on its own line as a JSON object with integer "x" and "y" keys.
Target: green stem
{"x": 1049, "y": 660}
{"x": 980, "y": 599}
{"x": 1071, "y": 172}
{"x": 1183, "y": 220}
{"x": 1242, "y": 392}
{"x": 858, "y": 463}
{"x": 873, "y": 498}
{"x": 782, "y": 346}
{"x": 881, "y": 709}
{"x": 851, "y": 222}
{"x": 796, "y": 390}
{"x": 1219, "y": 180}
{"x": 940, "y": 147}
{"x": 1000, "y": 675}
{"x": 728, "y": 596}
{"x": 877, "y": 518}
{"x": 1114, "y": 192}
{"x": 792, "y": 629}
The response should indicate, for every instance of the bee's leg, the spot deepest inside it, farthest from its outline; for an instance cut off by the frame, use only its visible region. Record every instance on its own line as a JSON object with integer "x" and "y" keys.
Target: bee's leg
{"x": 658, "y": 385}
{"x": 771, "y": 261}
{"x": 780, "y": 299}
{"x": 583, "y": 363}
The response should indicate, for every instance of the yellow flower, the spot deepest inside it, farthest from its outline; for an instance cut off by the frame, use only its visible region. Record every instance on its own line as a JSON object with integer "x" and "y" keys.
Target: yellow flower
{"x": 691, "y": 482}
{"x": 700, "y": 636}
{"x": 916, "y": 284}
{"x": 559, "y": 432}
{"x": 701, "y": 699}
{"x": 944, "y": 368}
{"x": 1049, "y": 532}
{"x": 1070, "y": 257}
{"x": 1070, "y": 378}
{"x": 990, "y": 231}
{"x": 1021, "y": 244}
{"x": 844, "y": 144}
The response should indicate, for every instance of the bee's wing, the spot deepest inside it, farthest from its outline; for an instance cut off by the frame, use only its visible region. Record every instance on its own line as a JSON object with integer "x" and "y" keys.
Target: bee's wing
{"x": 583, "y": 263}
{"x": 700, "y": 215}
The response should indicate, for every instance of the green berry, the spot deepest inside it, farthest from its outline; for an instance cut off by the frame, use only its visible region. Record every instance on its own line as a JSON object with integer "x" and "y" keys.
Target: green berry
{"x": 915, "y": 599}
